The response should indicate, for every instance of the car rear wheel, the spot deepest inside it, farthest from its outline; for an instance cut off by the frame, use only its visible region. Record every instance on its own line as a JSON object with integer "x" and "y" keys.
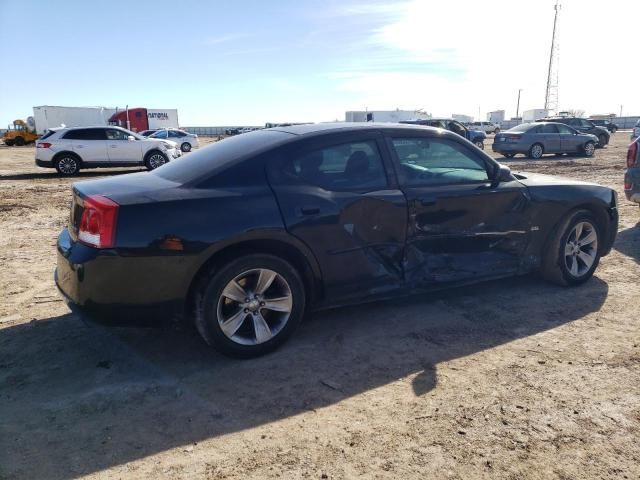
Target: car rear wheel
{"x": 496, "y": 131}
{"x": 572, "y": 254}
{"x": 19, "y": 141}
{"x": 536, "y": 151}
{"x": 602, "y": 141}
{"x": 509, "y": 155}
{"x": 589, "y": 149}
{"x": 250, "y": 306}
{"x": 479, "y": 144}
{"x": 185, "y": 147}
{"x": 9, "y": 143}
{"x": 154, "y": 160}
{"x": 67, "y": 165}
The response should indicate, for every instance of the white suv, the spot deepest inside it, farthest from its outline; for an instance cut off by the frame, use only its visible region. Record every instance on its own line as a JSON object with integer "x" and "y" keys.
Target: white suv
{"x": 185, "y": 140}
{"x": 70, "y": 149}
{"x": 486, "y": 127}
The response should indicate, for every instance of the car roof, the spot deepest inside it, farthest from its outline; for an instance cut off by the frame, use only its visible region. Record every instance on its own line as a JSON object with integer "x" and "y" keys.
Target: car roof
{"x": 317, "y": 128}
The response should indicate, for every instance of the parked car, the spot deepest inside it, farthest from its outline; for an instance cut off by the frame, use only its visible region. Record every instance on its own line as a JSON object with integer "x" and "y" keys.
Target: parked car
{"x": 70, "y": 149}
{"x": 146, "y": 133}
{"x": 632, "y": 174}
{"x": 255, "y": 230}
{"x": 536, "y": 139}
{"x": 477, "y": 137}
{"x": 486, "y": 127}
{"x": 185, "y": 140}
{"x": 635, "y": 133}
{"x": 605, "y": 123}
{"x": 583, "y": 125}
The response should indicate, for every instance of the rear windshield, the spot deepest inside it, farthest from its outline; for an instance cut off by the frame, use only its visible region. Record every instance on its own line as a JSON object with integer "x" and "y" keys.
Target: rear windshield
{"x": 520, "y": 128}
{"x": 220, "y": 155}
{"x": 48, "y": 134}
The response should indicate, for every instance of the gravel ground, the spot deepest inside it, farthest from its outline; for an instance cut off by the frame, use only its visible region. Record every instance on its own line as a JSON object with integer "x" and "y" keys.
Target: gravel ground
{"x": 513, "y": 379}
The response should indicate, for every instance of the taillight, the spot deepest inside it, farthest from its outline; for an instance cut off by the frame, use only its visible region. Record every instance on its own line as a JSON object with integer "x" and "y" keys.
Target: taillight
{"x": 98, "y": 222}
{"x": 632, "y": 154}
{"x": 514, "y": 138}
{"x": 43, "y": 145}
{"x": 628, "y": 185}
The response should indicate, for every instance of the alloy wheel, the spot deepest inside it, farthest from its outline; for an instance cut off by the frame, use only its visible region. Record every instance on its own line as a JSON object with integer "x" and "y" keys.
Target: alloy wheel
{"x": 589, "y": 148}
{"x": 254, "y": 307}
{"x": 580, "y": 251}
{"x": 156, "y": 160}
{"x": 536, "y": 151}
{"x": 68, "y": 165}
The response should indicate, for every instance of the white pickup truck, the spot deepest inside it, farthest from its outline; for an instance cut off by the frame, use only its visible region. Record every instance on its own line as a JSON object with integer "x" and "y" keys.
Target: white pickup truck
{"x": 486, "y": 127}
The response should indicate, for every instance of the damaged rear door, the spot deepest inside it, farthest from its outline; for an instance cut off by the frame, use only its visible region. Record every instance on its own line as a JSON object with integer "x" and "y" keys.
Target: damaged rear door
{"x": 461, "y": 227}
{"x": 335, "y": 196}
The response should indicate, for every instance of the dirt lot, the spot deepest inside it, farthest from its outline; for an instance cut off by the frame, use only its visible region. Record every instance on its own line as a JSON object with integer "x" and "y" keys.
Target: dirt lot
{"x": 514, "y": 379}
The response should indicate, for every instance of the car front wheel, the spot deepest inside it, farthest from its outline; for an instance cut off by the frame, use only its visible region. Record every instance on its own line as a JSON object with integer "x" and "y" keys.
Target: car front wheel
{"x": 572, "y": 254}
{"x": 536, "y": 151}
{"x": 250, "y": 306}
{"x": 185, "y": 147}
{"x": 589, "y": 149}
{"x": 154, "y": 160}
{"x": 479, "y": 144}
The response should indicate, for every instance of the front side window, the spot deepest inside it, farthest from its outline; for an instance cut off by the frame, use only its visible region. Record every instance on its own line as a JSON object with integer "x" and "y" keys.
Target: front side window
{"x": 564, "y": 130}
{"x": 428, "y": 161}
{"x": 113, "y": 134}
{"x": 586, "y": 124}
{"x": 160, "y": 134}
{"x": 345, "y": 167}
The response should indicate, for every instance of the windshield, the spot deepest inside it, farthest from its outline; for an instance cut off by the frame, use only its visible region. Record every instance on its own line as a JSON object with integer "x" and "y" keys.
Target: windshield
{"x": 220, "y": 155}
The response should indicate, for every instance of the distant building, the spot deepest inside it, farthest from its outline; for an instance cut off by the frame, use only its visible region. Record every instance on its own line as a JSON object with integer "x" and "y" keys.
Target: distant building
{"x": 496, "y": 116}
{"x": 462, "y": 118}
{"x": 534, "y": 114}
{"x": 385, "y": 115}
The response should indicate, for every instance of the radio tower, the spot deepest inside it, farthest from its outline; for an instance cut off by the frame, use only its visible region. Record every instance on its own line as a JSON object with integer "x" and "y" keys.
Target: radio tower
{"x": 551, "y": 97}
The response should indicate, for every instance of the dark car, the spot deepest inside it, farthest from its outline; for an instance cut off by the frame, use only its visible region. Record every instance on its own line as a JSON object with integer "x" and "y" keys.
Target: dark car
{"x": 605, "y": 123}
{"x": 146, "y": 133}
{"x": 632, "y": 174}
{"x": 251, "y": 232}
{"x": 477, "y": 137}
{"x": 536, "y": 139}
{"x": 583, "y": 125}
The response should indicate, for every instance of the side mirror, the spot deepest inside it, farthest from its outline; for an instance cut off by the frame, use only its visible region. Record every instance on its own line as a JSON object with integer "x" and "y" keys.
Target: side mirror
{"x": 131, "y": 138}
{"x": 501, "y": 174}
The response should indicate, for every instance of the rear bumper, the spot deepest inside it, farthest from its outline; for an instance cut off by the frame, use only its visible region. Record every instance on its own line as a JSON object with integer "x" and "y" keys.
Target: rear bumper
{"x": 44, "y": 163}
{"x": 508, "y": 148}
{"x": 632, "y": 176}
{"x": 109, "y": 285}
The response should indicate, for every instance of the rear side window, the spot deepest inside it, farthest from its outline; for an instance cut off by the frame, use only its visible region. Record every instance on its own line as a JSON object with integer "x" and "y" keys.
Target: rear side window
{"x": 345, "y": 167}
{"x": 86, "y": 134}
{"x": 548, "y": 128}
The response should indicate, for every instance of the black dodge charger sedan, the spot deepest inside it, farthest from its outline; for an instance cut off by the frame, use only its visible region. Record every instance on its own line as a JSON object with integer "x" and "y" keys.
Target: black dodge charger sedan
{"x": 247, "y": 234}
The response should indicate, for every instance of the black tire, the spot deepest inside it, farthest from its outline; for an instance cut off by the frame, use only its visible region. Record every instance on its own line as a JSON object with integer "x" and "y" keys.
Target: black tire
{"x": 535, "y": 153}
{"x": 509, "y": 155}
{"x": 614, "y": 130}
{"x": 9, "y": 143}
{"x": 496, "y": 131}
{"x": 67, "y": 164}
{"x": 589, "y": 149}
{"x": 19, "y": 141}
{"x": 479, "y": 144}
{"x": 554, "y": 266}
{"x": 602, "y": 140}
{"x": 208, "y": 301}
{"x": 185, "y": 147}
{"x": 155, "y": 159}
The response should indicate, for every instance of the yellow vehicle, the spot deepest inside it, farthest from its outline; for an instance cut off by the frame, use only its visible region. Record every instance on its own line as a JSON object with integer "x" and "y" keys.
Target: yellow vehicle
{"x": 19, "y": 133}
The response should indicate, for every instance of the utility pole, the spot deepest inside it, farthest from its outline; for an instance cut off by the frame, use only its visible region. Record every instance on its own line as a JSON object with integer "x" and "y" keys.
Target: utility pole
{"x": 518, "y": 107}
{"x": 620, "y": 110}
{"x": 551, "y": 96}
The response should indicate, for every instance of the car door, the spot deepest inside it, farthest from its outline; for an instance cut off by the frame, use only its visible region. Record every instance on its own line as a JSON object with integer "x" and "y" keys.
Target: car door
{"x": 570, "y": 140}
{"x": 550, "y": 137}
{"x": 461, "y": 226}
{"x": 90, "y": 144}
{"x": 121, "y": 149}
{"x": 335, "y": 196}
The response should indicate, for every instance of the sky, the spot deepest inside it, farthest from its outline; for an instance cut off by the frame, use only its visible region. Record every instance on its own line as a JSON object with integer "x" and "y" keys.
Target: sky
{"x": 251, "y": 62}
